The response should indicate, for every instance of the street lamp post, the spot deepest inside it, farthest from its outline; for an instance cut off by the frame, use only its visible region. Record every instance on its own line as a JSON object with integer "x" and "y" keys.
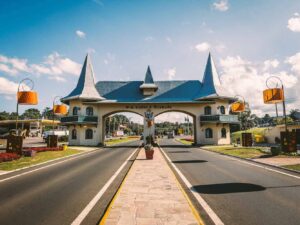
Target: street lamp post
{"x": 276, "y": 95}
{"x": 25, "y": 97}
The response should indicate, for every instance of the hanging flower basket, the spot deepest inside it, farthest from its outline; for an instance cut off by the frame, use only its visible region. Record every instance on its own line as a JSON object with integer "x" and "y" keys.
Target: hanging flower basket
{"x": 273, "y": 95}
{"x": 238, "y": 106}
{"x": 60, "y": 109}
{"x": 27, "y": 98}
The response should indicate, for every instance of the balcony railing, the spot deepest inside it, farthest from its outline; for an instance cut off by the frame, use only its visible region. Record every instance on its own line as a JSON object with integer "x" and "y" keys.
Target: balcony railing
{"x": 79, "y": 119}
{"x": 219, "y": 119}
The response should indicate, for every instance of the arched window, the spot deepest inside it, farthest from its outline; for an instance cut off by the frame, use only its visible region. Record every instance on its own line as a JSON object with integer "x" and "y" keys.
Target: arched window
{"x": 74, "y": 134}
{"x": 208, "y": 133}
{"x": 222, "y": 109}
{"x": 89, "y": 134}
{"x": 223, "y": 132}
{"x": 75, "y": 111}
{"x": 89, "y": 111}
{"x": 207, "y": 110}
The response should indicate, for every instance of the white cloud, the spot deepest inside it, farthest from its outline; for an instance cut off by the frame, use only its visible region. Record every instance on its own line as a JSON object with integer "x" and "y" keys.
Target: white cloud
{"x": 54, "y": 65}
{"x": 149, "y": 38}
{"x": 80, "y": 34}
{"x": 294, "y": 61}
{"x": 171, "y": 73}
{"x": 202, "y": 47}
{"x": 172, "y": 117}
{"x": 248, "y": 79}
{"x": 169, "y": 40}
{"x": 221, "y": 5}
{"x": 270, "y": 63}
{"x": 294, "y": 23}
{"x": 91, "y": 50}
{"x": 8, "y": 87}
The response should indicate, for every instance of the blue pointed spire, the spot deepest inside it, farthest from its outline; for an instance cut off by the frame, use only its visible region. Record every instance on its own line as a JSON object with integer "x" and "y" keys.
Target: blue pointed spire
{"x": 148, "y": 77}
{"x": 85, "y": 88}
{"x": 211, "y": 81}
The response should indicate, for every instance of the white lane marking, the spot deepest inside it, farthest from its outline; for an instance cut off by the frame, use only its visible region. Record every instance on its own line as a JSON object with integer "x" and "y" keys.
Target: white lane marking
{"x": 69, "y": 158}
{"x": 97, "y": 197}
{"x": 202, "y": 202}
{"x": 257, "y": 165}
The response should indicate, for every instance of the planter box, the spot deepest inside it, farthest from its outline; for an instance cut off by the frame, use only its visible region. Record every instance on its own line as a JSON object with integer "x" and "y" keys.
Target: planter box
{"x": 29, "y": 153}
{"x": 149, "y": 154}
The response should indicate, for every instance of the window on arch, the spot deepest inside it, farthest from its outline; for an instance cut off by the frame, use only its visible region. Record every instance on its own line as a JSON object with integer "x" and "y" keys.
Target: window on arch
{"x": 222, "y": 109}
{"x": 89, "y": 134}
{"x": 74, "y": 134}
{"x": 89, "y": 111}
{"x": 207, "y": 110}
{"x": 75, "y": 111}
{"x": 208, "y": 133}
{"x": 223, "y": 132}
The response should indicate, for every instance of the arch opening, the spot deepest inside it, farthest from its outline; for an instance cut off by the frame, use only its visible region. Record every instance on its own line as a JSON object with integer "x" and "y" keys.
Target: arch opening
{"x": 172, "y": 127}
{"x": 121, "y": 126}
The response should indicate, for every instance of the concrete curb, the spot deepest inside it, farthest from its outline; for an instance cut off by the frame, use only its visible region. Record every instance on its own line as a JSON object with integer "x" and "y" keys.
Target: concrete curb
{"x": 252, "y": 161}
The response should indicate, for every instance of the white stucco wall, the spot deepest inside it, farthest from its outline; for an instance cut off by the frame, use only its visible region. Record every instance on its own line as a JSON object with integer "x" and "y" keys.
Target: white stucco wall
{"x": 195, "y": 110}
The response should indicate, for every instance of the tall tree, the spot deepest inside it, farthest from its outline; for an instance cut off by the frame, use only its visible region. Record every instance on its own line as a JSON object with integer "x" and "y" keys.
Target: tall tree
{"x": 295, "y": 114}
{"x": 31, "y": 114}
{"x": 4, "y": 115}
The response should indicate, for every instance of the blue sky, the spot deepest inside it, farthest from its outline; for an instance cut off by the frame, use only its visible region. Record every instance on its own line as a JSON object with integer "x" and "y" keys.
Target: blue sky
{"x": 249, "y": 40}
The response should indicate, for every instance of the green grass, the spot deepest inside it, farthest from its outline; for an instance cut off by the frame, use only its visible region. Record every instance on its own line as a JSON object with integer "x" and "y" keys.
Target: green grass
{"x": 38, "y": 158}
{"x": 254, "y": 131}
{"x": 185, "y": 142}
{"x": 243, "y": 152}
{"x": 120, "y": 140}
{"x": 293, "y": 167}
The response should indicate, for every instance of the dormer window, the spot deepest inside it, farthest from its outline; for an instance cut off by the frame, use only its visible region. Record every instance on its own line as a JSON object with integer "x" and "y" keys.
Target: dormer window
{"x": 148, "y": 87}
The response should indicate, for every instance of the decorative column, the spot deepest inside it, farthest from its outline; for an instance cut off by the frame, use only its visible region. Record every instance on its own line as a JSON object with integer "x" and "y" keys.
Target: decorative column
{"x": 149, "y": 129}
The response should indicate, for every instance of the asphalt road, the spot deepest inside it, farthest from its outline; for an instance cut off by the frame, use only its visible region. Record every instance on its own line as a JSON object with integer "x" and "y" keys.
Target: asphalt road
{"x": 237, "y": 192}
{"x": 57, "y": 194}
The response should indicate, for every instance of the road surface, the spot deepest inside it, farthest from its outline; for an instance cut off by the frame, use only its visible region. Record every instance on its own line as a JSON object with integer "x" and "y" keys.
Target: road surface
{"x": 57, "y": 194}
{"x": 238, "y": 193}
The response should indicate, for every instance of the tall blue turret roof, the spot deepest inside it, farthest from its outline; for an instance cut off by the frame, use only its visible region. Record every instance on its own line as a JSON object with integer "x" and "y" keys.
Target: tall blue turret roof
{"x": 148, "y": 77}
{"x": 164, "y": 91}
{"x": 85, "y": 88}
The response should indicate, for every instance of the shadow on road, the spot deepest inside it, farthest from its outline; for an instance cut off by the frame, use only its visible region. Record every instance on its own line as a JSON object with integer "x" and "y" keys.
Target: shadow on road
{"x": 178, "y": 151}
{"x": 175, "y": 146}
{"x": 226, "y": 188}
{"x": 122, "y": 146}
{"x": 189, "y": 161}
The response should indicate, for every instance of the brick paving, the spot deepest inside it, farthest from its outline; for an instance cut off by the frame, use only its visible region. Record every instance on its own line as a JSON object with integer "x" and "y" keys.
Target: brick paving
{"x": 150, "y": 195}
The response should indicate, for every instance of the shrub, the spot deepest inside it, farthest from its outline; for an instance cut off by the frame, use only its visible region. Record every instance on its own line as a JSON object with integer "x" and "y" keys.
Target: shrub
{"x": 275, "y": 150}
{"x": 5, "y": 157}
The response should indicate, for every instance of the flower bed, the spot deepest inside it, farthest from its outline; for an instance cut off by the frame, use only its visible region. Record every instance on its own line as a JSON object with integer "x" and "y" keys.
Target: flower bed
{"x": 5, "y": 157}
{"x": 43, "y": 149}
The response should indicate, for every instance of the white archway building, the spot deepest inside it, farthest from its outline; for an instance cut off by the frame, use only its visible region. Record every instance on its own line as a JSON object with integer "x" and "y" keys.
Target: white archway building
{"x": 207, "y": 102}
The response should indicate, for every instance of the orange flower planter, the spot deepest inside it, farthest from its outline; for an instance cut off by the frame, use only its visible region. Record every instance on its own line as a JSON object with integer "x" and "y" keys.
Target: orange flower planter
{"x": 238, "y": 107}
{"x": 60, "y": 109}
{"x": 273, "y": 95}
{"x": 27, "y": 98}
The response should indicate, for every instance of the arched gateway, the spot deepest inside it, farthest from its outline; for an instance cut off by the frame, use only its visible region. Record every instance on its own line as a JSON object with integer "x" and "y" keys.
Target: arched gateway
{"x": 206, "y": 101}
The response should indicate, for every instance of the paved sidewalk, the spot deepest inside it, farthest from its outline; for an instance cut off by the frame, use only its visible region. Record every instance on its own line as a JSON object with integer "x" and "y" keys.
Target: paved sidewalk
{"x": 279, "y": 161}
{"x": 150, "y": 195}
